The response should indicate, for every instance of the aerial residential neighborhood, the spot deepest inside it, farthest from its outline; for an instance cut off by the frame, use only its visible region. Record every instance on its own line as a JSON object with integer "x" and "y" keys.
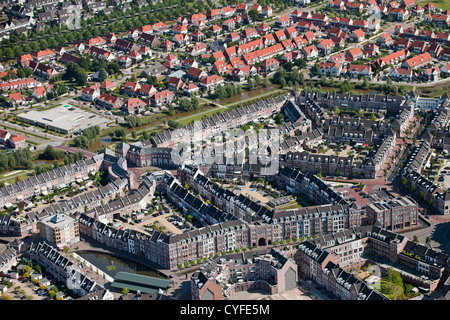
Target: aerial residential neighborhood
{"x": 200, "y": 150}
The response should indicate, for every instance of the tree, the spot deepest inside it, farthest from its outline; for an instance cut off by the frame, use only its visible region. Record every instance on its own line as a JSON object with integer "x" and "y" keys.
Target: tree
{"x": 102, "y": 75}
{"x": 173, "y": 124}
{"x": 125, "y": 290}
{"x": 415, "y": 239}
{"x": 365, "y": 84}
{"x": 279, "y": 118}
{"x": 300, "y": 63}
{"x": 253, "y": 13}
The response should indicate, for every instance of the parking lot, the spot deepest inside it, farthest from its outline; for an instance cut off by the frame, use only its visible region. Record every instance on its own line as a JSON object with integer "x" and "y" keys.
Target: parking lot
{"x": 444, "y": 175}
{"x": 256, "y": 195}
{"x": 26, "y": 290}
{"x": 165, "y": 220}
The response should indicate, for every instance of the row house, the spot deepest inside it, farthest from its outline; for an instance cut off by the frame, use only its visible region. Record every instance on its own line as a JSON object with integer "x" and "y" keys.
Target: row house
{"x": 197, "y": 36}
{"x": 259, "y": 55}
{"x": 320, "y": 20}
{"x": 162, "y": 98}
{"x": 357, "y": 36}
{"x": 354, "y": 6}
{"x": 167, "y": 45}
{"x": 430, "y": 74}
{"x": 354, "y": 54}
{"x": 229, "y": 25}
{"x": 196, "y": 50}
{"x": 134, "y": 106}
{"x": 237, "y": 62}
{"x": 418, "y": 46}
{"x": 357, "y": 71}
{"x": 90, "y": 93}
{"x": 393, "y": 58}
{"x": 213, "y": 14}
{"x": 44, "y": 55}
{"x": 175, "y": 84}
{"x": 260, "y": 110}
{"x": 401, "y": 74}
{"x": 371, "y": 49}
{"x": 242, "y": 73}
{"x": 181, "y": 39}
{"x": 337, "y": 58}
{"x": 283, "y": 22}
{"x": 211, "y": 82}
{"x": 101, "y": 54}
{"x": 221, "y": 66}
{"x": 125, "y": 46}
{"x": 269, "y": 65}
{"x": 98, "y": 42}
{"x": 442, "y": 37}
{"x": 385, "y": 40}
{"x": 45, "y": 182}
{"x": 310, "y": 52}
{"x": 398, "y": 14}
{"x": 215, "y": 29}
{"x": 108, "y": 101}
{"x": 179, "y": 29}
{"x": 18, "y": 85}
{"x": 418, "y": 61}
{"x": 440, "y": 20}
{"x": 41, "y": 70}
{"x": 196, "y": 74}
{"x": 326, "y": 46}
{"x": 160, "y": 27}
{"x": 150, "y": 40}
{"x": 336, "y": 32}
{"x": 330, "y": 69}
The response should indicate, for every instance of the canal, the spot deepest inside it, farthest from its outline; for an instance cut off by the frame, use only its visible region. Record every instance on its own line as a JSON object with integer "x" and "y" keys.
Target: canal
{"x": 249, "y": 94}
{"x": 111, "y": 264}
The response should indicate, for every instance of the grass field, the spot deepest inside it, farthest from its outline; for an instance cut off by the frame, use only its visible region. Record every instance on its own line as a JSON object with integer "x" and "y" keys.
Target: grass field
{"x": 435, "y": 91}
{"x": 442, "y": 4}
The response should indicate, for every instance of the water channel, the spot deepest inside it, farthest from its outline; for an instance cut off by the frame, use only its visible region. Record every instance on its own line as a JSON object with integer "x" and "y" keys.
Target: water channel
{"x": 111, "y": 264}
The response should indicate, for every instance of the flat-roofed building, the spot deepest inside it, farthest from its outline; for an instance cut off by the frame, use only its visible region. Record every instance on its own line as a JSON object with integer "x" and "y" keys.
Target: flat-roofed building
{"x": 63, "y": 119}
{"x": 394, "y": 214}
{"x": 60, "y": 230}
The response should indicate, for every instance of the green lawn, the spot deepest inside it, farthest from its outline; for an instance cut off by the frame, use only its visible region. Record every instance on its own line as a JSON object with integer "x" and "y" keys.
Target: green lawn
{"x": 443, "y": 4}
{"x": 291, "y": 205}
{"x": 198, "y": 117}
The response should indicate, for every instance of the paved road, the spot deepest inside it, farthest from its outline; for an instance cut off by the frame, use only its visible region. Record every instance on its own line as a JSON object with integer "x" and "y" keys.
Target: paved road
{"x": 86, "y": 153}
{"x": 55, "y": 140}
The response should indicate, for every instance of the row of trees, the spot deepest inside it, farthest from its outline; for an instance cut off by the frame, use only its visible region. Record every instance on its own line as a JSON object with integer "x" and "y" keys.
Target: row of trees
{"x": 133, "y": 121}
{"x": 283, "y": 77}
{"x": 226, "y": 91}
{"x": 50, "y": 153}
{"x": 87, "y": 137}
{"x": 188, "y": 104}
{"x": 257, "y": 83}
{"x": 17, "y": 158}
{"x": 98, "y": 25}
